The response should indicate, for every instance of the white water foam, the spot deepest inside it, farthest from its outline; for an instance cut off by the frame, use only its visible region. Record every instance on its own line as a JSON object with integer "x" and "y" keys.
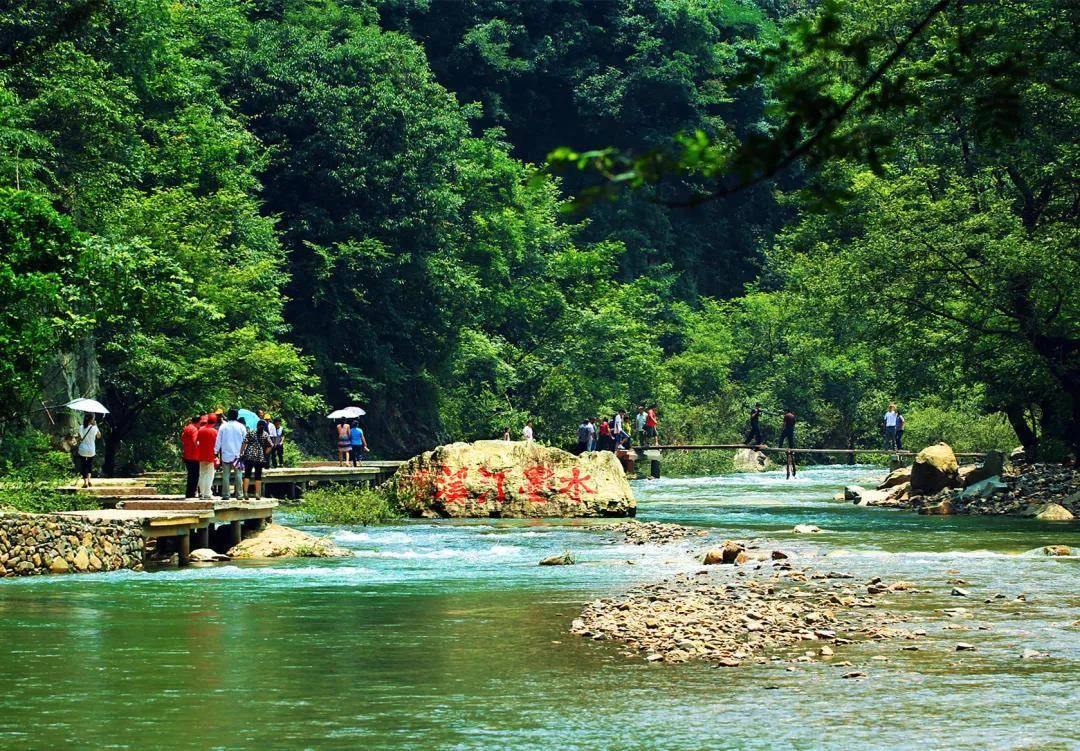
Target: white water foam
{"x": 384, "y": 538}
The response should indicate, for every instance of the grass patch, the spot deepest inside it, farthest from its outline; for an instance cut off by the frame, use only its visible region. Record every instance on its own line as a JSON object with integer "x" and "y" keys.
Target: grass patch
{"x": 349, "y": 505}
{"x": 40, "y": 497}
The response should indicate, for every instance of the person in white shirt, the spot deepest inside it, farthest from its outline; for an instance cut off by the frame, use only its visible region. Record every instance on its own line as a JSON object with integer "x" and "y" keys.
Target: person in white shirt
{"x": 890, "y": 428}
{"x": 619, "y": 418}
{"x": 88, "y": 435}
{"x": 527, "y": 432}
{"x": 230, "y": 439}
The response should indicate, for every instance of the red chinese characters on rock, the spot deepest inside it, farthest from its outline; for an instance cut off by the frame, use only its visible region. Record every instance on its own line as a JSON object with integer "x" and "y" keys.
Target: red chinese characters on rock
{"x": 575, "y": 485}
{"x": 498, "y": 492}
{"x": 538, "y": 483}
{"x": 450, "y": 486}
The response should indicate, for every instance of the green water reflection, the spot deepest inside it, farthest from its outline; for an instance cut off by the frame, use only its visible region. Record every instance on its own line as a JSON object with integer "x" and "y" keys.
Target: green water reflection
{"x": 449, "y": 636}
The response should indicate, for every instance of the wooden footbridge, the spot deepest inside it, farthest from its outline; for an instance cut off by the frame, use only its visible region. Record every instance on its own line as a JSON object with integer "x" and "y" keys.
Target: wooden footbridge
{"x": 655, "y": 453}
{"x": 172, "y": 523}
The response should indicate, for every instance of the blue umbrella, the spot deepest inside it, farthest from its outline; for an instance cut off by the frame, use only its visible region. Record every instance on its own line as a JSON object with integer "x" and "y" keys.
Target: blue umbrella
{"x": 250, "y": 418}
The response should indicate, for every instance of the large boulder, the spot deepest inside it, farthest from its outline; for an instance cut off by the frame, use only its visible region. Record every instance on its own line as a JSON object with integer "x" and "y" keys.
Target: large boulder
{"x": 507, "y": 479}
{"x": 276, "y": 541}
{"x": 935, "y": 469}
{"x": 749, "y": 460}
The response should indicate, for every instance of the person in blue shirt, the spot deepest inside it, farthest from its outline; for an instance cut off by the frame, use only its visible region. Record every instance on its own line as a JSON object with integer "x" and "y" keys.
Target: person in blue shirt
{"x": 359, "y": 444}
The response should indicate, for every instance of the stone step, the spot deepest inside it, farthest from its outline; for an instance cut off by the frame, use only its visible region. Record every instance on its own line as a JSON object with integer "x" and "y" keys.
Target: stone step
{"x": 113, "y": 491}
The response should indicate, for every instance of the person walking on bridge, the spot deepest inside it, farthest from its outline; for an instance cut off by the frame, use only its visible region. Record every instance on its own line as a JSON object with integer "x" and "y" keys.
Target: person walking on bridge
{"x": 755, "y": 427}
{"x": 652, "y": 424}
{"x": 583, "y": 436}
{"x": 357, "y": 444}
{"x": 88, "y": 435}
{"x": 344, "y": 443}
{"x": 639, "y": 426}
{"x": 230, "y": 439}
{"x": 899, "y": 431}
{"x": 189, "y": 444}
{"x": 205, "y": 440}
{"x": 890, "y": 428}
{"x": 788, "y": 430}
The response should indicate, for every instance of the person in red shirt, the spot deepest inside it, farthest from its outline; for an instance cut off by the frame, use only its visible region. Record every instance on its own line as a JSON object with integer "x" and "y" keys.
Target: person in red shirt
{"x": 204, "y": 452}
{"x": 188, "y": 440}
{"x": 651, "y": 422}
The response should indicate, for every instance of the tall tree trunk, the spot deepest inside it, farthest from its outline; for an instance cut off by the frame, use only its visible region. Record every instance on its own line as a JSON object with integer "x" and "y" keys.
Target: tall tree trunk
{"x": 1028, "y": 439}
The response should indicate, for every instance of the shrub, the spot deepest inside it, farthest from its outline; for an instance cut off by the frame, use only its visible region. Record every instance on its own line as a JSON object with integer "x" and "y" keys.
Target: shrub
{"x": 344, "y": 504}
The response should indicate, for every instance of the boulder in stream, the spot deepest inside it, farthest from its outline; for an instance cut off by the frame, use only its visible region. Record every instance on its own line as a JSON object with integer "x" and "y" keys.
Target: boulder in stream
{"x": 935, "y": 469}
{"x": 512, "y": 479}
{"x": 751, "y": 460}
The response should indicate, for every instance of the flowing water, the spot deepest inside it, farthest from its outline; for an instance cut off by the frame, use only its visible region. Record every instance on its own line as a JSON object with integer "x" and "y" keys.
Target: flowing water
{"x": 449, "y": 636}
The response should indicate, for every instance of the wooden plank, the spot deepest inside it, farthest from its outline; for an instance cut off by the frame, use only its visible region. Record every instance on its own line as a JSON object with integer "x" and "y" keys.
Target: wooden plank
{"x": 738, "y": 446}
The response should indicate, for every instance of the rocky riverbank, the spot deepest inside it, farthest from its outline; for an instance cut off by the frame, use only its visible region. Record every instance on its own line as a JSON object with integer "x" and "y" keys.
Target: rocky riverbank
{"x": 937, "y": 485}
{"x": 728, "y": 615}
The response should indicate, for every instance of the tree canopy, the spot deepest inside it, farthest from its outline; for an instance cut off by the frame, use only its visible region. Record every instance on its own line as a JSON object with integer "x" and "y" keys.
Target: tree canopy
{"x": 464, "y": 215}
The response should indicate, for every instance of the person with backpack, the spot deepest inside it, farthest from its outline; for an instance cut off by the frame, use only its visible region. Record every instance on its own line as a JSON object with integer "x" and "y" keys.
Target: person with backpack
{"x": 583, "y": 437}
{"x": 254, "y": 452}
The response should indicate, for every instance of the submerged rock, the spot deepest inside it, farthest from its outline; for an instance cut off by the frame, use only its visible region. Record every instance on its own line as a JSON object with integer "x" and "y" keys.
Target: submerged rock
{"x": 563, "y": 559}
{"x": 206, "y": 555}
{"x": 1056, "y": 550}
{"x": 507, "y": 479}
{"x": 277, "y": 541}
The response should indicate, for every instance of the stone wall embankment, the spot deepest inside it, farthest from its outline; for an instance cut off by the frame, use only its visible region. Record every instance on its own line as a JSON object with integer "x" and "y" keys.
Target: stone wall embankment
{"x": 33, "y": 544}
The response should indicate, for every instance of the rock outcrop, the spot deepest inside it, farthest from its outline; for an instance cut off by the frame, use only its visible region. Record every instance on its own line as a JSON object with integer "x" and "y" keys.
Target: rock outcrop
{"x": 750, "y": 460}
{"x": 507, "y": 479}
{"x": 935, "y": 469}
{"x": 277, "y": 541}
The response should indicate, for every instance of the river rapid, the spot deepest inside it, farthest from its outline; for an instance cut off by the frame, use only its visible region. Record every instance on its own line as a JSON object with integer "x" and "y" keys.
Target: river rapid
{"x": 448, "y": 635}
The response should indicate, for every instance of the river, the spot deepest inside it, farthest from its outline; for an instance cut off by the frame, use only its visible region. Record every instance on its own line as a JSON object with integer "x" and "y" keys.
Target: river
{"x": 449, "y": 636}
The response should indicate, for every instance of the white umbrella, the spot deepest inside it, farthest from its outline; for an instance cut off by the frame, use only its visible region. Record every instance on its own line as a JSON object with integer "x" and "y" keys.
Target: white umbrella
{"x": 346, "y": 413}
{"x": 87, "y": 405}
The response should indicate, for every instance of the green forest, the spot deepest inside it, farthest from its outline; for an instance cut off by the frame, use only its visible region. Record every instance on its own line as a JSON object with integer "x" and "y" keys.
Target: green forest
{"x": 465, "y": 214}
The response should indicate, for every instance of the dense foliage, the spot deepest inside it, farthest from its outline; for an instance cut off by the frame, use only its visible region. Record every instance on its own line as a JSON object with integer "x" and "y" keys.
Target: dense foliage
{"x": 297, "y": 204}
